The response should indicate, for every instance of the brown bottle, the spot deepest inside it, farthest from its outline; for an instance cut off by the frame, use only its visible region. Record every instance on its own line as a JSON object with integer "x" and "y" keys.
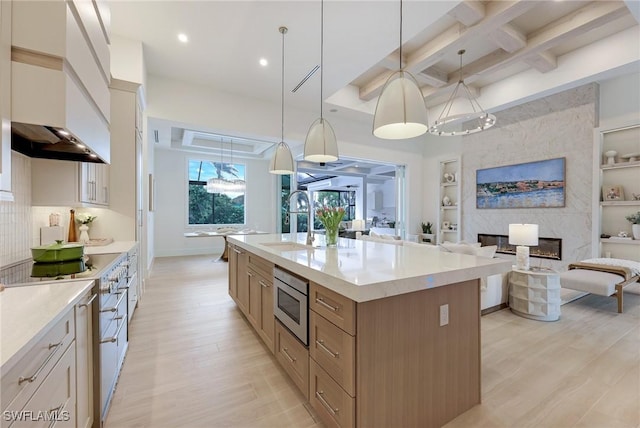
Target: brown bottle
{"x": 72, "y": 227}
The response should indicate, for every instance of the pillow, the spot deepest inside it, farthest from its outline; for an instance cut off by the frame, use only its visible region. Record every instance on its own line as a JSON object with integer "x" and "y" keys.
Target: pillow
{"x": 488, "y": 251}
{"x": 390, "y": 237}
{"x": 374, "y": 233}
{"x": 459, "y": 248}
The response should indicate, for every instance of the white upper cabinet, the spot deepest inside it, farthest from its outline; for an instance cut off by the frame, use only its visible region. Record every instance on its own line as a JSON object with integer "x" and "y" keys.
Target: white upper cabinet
{"x": 60, "y": 66}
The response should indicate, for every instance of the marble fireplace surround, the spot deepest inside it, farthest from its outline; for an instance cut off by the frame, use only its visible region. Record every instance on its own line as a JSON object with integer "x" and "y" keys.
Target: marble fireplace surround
{"x": 559, "y": 125}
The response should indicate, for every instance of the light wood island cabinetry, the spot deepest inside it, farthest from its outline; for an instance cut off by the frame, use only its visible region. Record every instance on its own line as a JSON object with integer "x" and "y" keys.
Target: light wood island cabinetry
{"x": 395, "y": 360}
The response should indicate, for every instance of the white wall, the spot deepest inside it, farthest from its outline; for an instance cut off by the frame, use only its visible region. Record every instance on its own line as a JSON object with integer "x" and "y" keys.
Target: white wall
{"x": 620, "y": 99}
{"x": 171, "y": 214}
{"x": 205, "y": 108}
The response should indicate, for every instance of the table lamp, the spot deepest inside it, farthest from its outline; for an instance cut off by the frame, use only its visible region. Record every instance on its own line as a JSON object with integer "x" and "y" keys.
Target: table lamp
{"x": 524, "y": 236}
{"x": 358, "y": 226}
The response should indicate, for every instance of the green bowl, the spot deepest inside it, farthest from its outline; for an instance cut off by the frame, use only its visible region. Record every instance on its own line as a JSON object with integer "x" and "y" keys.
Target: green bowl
{"x": 57, "y": 253}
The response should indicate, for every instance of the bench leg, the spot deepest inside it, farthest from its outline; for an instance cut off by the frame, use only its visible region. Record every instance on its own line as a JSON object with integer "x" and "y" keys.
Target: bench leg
{"x": 619, "y": 295}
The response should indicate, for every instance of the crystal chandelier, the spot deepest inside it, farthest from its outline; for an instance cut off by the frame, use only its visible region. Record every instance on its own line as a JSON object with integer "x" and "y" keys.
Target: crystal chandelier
{"x": 222, "y": 185}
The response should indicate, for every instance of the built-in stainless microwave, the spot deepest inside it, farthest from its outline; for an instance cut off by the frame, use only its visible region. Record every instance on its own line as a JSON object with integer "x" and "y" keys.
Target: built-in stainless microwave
{"x": 291, "y": 303}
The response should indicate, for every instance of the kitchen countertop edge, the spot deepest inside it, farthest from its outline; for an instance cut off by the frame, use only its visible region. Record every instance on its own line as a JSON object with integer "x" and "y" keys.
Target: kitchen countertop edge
{"x": 476, "y": 267}
{"x": 29, "y": 330}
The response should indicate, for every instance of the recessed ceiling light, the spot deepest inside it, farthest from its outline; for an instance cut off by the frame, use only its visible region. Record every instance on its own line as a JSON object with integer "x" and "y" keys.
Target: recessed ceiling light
{"x": 264, "y": 62}
{"x": 183, "y": 38}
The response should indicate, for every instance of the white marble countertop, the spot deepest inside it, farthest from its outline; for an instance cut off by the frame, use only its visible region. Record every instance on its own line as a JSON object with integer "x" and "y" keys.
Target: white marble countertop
{"x": 26, "y": 313}
{"x": 114, "y": 247}
{"x": 365, "y": 270}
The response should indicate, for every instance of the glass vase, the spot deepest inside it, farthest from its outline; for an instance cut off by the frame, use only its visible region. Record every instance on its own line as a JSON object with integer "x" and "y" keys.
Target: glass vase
{"x": 331, "y": 236}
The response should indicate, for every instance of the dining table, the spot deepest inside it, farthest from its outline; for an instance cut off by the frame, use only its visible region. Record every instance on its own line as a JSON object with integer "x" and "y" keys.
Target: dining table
{"x": 222, "y": 232}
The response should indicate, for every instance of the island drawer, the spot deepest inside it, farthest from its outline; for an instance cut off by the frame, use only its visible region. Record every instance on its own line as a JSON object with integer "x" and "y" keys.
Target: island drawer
{"x": 334, "y": 350}
{"x": 261, "y": 266}
{"x": 336, "y": 308}
{"x": 19, "y": 384}
{"x": 293, "y": 357}
{"x": 334, "y": 406}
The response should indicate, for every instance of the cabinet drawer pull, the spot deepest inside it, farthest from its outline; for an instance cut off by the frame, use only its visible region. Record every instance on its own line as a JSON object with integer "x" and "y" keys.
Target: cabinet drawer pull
{"x": 284, "y": 351}
{"x": 321, "y": 344}
{"x": 250, "y": 274}
{"x": 115, "y": 336}
{"x": 115, "y": 308}
{"x": 264, "y": 284}
{"x": 55, "y": 411}
{"x": 333, "y": 411}
{"x": 325, "y": 304}
{"x": 35, "y": 375}
{"x": 84, "y": 305}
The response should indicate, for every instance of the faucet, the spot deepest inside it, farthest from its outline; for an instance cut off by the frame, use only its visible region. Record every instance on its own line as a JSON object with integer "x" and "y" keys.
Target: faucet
{"x": 310, "y": 236}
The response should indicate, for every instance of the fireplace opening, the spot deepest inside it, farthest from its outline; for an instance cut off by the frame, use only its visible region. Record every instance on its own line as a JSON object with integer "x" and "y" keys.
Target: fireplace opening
{"x": 547, "y": 248}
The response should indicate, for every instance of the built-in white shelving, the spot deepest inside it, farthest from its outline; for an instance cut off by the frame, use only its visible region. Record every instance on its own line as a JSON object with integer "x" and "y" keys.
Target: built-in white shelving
{"x": 620, "y": 172}
{"x": 448, "y": 227}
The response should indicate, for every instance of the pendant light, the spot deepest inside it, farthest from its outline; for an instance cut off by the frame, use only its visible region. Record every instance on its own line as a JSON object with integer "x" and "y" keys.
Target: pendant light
{"x": 217, "y": 184}
{"x": 236, "y": 185}
{"x": 282, "y": 160}
{"x": 321, "y": 145}
{"x": 401, "y": 112}
{"x": 473, "y": 121}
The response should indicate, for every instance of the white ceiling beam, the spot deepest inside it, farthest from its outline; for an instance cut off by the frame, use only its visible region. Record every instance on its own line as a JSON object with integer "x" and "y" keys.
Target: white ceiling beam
{"x": 498, "y": 13}
{"x": 391, "y": 61}
{"x": 508, "y": 38}
{"x": 579, "y": 22}
{"x": 432, "y": 76}
{"x": 468, "y": 13}
{"x": 543, "y": 61}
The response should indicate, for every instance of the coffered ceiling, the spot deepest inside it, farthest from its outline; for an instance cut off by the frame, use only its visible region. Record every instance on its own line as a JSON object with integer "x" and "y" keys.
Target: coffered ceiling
{"x": 502, "y": 39}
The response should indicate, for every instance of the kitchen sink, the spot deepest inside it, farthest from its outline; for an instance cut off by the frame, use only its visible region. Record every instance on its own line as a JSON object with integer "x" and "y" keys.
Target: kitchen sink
{"x": 287, "y": 246}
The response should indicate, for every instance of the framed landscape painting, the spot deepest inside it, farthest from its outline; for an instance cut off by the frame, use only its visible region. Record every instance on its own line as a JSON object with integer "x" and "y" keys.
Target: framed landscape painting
{"x": 538, "y": 184}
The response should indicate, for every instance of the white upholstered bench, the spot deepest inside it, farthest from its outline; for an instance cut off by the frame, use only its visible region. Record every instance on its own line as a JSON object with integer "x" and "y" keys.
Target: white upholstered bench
{"x": 593, "y": 277}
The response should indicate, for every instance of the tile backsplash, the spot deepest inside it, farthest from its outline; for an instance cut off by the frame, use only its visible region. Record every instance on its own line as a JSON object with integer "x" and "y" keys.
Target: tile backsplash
{"x": 16, "y": 233}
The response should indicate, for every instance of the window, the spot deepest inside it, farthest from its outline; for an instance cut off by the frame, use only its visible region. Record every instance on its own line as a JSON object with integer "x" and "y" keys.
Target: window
{"x": 335, "y": 198}
{"x": 215, "y": 208}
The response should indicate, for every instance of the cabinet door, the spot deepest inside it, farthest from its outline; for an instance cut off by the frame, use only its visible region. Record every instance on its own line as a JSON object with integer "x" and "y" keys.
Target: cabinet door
{"x": 88, "y": 182}
{"x": 233, "y": 272}
{"x": 268, "y": 322}
{"x": 84, "y": 362}
{"x": 243, "y": 282}
{"x": 102, "y": 184}
{"x": 255, "y": 300}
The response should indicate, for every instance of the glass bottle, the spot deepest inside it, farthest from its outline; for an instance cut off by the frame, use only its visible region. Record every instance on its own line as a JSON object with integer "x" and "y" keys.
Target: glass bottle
{"x": 72, "y": 227}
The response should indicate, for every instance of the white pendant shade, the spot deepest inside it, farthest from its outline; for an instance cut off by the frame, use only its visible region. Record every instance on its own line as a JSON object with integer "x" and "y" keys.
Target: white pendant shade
{"x": 401, "y": 112}
{"x": 320, "y": 144}
{"x": 282, "y": 160}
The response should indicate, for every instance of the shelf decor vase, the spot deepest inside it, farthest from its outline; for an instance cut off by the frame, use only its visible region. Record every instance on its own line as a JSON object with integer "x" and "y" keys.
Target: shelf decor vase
{"x": 635, "y": 229}
{"x": 84, "y": 234}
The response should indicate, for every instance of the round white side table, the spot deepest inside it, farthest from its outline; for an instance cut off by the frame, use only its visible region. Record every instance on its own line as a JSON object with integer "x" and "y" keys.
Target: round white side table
{"x": 535, "y": 294}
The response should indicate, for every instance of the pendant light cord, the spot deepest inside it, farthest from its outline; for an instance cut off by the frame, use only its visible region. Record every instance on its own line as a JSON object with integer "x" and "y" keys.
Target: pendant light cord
{"x": 401, "y": 35}
{"x": 283, "y": 30}
{"x": 321, "y": 52}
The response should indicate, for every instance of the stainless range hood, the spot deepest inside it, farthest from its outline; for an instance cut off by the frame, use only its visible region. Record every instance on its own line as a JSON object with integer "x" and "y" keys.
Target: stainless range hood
{"x": 46, "y": 142}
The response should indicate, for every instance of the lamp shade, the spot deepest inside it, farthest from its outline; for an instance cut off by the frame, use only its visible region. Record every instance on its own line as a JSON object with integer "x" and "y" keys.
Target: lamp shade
{"x": 523, "y": 234}
{"x": 358, "y": 224}
{"x": 401, "y": 112}
{"x": 282, "y": 160}
{"x": 320, "y": 144}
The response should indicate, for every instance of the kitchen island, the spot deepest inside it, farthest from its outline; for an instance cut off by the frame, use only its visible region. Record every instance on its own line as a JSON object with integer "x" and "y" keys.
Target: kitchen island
{"x": 394, "y": 331}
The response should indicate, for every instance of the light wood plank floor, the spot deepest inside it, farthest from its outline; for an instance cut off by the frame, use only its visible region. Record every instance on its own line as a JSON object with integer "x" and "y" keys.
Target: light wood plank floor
{"x": 194, "y": 361}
